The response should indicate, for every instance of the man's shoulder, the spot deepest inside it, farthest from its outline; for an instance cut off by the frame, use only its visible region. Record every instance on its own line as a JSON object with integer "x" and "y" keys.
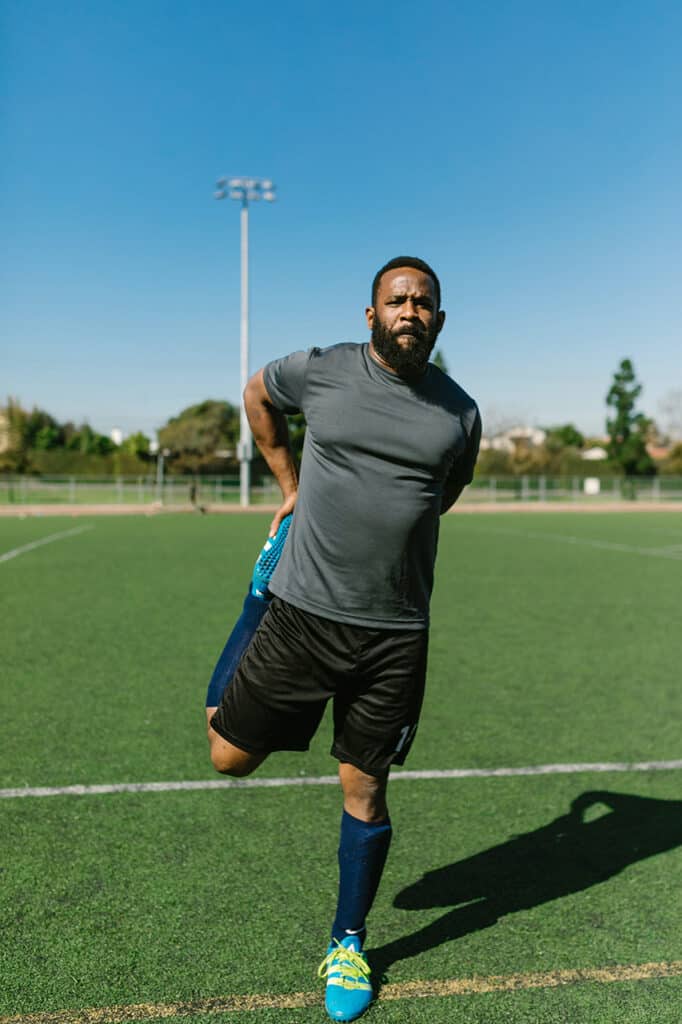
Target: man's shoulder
{"x": 446, "y": 391}
{"x": 334, "y": 363}
{"x": 342, "y": 352}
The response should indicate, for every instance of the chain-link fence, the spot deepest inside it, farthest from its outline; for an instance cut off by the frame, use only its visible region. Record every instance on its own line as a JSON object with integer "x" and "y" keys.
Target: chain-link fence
{"x": 127, "y": 490}
{"x": 222, "y": 490}
{"x": 574, "y": 488}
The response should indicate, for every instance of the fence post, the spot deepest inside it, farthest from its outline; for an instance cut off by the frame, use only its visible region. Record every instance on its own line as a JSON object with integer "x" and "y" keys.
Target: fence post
{"x": 576, "y": 488}
{"x": 525, "y": 493}
{"x": 72, "y": 490}
{"x": 543, "y": 488}
{"x": 493, "y": 488}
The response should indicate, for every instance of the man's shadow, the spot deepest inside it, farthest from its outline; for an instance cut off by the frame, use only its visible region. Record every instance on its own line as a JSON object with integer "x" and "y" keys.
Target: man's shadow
{"x": 570, "y": 854}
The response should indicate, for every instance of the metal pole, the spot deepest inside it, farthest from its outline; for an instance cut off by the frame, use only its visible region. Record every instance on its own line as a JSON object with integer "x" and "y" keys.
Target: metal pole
{"x": 244, "y": 190}
{"x": 245, "y": 441}
{"x": 159, "y": 477}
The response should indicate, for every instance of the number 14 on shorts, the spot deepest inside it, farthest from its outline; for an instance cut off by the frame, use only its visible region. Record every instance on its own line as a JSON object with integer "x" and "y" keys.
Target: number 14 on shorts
{"x": 406, "y": 736}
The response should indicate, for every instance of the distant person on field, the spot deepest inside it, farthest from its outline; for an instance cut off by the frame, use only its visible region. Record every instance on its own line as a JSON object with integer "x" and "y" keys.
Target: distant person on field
{"x": 391, "y": 441}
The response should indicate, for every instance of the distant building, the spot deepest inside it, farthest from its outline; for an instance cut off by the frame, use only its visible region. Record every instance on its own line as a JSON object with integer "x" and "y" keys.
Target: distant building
{"x": 514, "y": 438}
{"x": 4, "y": 431}
{"x": 595, "y": 454}
{"x": 116, "y": 436}
{"x": 658, "y": 452}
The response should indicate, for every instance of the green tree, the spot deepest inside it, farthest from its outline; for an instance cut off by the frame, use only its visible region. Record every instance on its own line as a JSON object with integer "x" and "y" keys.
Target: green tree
{"x": 566, "y": 436}
{"x": 201, "y": 433}
{"x": 88, "y": 442}
{"x": 136, "y": 444}
{"x": 297, "y": 435}
{"x": 439, "y": 361}
{"x": 628, "y": 429}
{"x": 47, "y": 438}
{"x": 672, "y": 463}
{"x": 493, "y": 462}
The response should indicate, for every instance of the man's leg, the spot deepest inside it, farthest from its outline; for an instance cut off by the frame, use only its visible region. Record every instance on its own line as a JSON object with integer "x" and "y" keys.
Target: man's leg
{"x": 363, "y": 846}
{"x": 228, "y": 759}
{"x": 253, "y": 610}
{"x": 255, "y": 605}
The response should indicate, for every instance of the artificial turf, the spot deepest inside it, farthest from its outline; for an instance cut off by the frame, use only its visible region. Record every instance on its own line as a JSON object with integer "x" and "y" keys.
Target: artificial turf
{"x": 553, "y": 640}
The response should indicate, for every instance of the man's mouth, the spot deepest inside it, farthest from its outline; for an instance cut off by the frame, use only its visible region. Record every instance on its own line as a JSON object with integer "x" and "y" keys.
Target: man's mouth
{"x": 407, "y": 332}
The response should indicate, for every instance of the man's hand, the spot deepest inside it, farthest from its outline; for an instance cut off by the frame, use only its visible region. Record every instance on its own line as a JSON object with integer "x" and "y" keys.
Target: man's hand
{"x": 282, "y": 512}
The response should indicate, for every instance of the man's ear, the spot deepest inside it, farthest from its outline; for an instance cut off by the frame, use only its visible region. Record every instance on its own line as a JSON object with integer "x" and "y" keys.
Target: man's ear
{"x": 441, "y": 319}
{"x": 369, "y": 316}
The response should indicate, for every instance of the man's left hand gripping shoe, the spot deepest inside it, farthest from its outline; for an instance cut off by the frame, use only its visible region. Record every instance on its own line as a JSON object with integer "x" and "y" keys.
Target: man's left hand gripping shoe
{"x": 266, "y": 562}
{"x": 349, "y": 991}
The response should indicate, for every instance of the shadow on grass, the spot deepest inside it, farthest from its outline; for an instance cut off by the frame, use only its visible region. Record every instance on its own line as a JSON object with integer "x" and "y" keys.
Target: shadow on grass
{"x": 602, "y": 834}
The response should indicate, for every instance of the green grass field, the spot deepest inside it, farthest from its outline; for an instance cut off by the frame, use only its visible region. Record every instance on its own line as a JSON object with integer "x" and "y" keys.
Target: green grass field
{"x": 555, "y": 639}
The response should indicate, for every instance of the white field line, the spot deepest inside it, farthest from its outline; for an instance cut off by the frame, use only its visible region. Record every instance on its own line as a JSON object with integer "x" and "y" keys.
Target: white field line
{"x": 673, "y": 552}
{"x": 331, "y": 780}
{"x": 409, "y": 990}
{"x": 51, "y": 537}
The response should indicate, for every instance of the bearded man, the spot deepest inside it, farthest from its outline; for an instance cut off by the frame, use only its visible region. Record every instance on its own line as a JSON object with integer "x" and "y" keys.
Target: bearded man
{"x": 391, "y": 441}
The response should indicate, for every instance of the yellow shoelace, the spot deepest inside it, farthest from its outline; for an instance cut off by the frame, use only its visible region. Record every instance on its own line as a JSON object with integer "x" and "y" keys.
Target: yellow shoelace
{"x": 353, "y": 969}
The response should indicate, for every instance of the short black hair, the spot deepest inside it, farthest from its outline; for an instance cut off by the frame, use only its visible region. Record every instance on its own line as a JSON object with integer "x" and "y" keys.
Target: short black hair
{"x": 405, "y": 261}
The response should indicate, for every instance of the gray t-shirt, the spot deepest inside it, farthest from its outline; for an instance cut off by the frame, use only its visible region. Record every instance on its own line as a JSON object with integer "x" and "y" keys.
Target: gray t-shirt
{"x": 378, "y": 454}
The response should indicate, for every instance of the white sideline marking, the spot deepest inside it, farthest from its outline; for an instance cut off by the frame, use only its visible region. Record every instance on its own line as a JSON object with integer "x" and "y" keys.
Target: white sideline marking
{"x": 43, "y": 540}
{"x": 331, "y": 780}
{"x": 672, "y": 552}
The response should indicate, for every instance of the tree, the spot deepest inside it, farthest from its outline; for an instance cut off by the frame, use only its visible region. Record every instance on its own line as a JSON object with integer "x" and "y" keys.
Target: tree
{"x": 296, "y": 435}
{"x": 201, "y": 433}
{"x": 566, "y": 436}
{"x": 88, "y": 442}
{"x": 137, "y": 444}
{"x": 628, "y": 429}
{"x": 672, "y": 463}
{"x": 439, "y": 361}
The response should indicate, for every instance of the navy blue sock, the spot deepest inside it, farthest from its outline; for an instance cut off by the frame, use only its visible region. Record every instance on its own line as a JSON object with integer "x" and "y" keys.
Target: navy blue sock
{"x": 239, "y": 639}
{"x": 362, "y": 855}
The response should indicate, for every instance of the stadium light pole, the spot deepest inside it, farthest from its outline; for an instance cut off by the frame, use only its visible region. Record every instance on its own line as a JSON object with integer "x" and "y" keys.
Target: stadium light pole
{"x": 244, "y": 190}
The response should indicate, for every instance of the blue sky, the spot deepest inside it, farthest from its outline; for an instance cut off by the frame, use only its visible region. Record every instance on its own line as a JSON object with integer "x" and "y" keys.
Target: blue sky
{"x": 530, "y": 151}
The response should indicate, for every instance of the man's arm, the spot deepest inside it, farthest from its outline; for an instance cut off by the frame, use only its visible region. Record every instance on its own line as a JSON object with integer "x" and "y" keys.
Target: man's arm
{"x": 271, "y": 434}
{"x": 462, "y": 472}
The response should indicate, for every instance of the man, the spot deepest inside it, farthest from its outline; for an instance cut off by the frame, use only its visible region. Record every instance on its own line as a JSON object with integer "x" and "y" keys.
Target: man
{"x": 391, "y": 441}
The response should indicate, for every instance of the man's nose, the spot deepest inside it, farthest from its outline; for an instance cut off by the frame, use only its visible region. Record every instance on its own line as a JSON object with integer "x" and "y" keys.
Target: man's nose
{"x": 409, "y": 311}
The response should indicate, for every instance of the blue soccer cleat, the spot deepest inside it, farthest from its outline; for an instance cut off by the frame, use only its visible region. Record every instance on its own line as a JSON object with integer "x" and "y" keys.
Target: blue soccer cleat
{"x": 349, "y": 991}
{"x": 266, "y": 563}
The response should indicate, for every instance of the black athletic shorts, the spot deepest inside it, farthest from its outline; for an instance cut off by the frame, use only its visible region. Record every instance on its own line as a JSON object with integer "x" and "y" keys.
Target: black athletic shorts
{"x": 297, "y": 661}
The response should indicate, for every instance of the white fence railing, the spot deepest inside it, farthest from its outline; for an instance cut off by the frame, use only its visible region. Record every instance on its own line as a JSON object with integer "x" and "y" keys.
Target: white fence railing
{"x": 574, "y": 488}
{"x": 205, "y": 490}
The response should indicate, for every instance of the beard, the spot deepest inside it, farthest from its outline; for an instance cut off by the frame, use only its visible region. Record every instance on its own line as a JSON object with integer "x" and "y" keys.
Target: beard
{"x": 407, "y": 360}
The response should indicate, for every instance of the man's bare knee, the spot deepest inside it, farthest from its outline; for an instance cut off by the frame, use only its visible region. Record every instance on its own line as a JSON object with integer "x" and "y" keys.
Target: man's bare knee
{"x": 364, "y": 795}
{"x": 230, "y": 760}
